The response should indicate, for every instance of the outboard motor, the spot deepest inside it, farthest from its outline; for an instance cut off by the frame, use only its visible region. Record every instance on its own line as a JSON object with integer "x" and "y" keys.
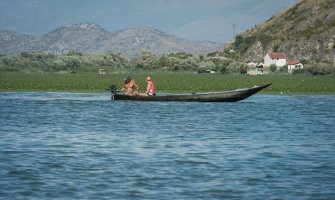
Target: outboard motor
{"x": 113, "y": 90}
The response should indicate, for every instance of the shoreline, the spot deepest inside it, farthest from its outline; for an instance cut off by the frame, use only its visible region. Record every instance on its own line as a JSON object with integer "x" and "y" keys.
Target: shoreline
{"x": 169, "y": 83}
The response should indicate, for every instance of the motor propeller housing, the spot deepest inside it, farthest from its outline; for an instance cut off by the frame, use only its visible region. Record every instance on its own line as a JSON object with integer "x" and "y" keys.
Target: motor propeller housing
{"x": 112, "y": 89}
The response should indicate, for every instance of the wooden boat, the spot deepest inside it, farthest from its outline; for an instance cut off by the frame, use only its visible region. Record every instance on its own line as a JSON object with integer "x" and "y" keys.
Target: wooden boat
{"x": 224, "y": 96}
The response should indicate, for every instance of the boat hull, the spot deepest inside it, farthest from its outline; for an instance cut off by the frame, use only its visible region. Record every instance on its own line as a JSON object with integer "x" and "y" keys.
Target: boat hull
{"x": 224, "y": 96}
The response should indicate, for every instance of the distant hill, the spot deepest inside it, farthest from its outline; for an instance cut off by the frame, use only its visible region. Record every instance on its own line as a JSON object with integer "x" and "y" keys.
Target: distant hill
{"x": 11, "y": 42}
{"x": 91, "y": 38}
{"x": 305, "y": 31}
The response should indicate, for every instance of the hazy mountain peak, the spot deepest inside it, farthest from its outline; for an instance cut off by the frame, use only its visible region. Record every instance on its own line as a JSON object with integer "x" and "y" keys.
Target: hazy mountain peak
{"x": 87, "y": 26}
{"x": 90, "y": 37}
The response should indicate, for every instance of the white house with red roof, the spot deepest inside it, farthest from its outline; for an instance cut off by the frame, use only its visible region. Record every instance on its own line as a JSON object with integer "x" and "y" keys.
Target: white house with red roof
{"x": 294, "y": 64}
{"x": 277, "y": 59}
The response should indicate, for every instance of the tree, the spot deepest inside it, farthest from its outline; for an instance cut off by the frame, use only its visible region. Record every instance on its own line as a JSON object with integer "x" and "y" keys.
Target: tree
{"x": 206, "y": 65}
{"x": 116, "y": 60}
{"x": 238, "y": 41}
{"x": 147, "y": 60}
{"x": 25, "y": 54}
{"x": 223, "y": 69}
{"x": 162, "y": 62}
{"x": 188, "y": 64}
{"x": 212, "y": 54}
{"x": 72, "y": 63}
{"x": 74, "y": 53}
{"x": 173, "y": 63}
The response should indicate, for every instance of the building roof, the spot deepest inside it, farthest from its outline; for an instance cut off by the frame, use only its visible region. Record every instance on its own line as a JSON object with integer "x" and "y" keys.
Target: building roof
{"x": 277, "y": 55}
{"x": 293, "y": 62}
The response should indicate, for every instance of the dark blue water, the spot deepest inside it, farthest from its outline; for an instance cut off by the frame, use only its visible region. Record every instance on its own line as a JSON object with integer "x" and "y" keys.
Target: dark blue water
{"x": 83, "y": 146}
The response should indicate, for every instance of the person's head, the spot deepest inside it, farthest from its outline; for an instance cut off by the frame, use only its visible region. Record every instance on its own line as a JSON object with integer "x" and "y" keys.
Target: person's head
{"x": 127, "y": 79}
{"x": 148, "y": 78}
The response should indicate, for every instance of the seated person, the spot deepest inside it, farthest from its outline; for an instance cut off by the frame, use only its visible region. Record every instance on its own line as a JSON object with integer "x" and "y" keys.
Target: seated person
{"x": 150, "y": 87}
{"x": 129, "y": 86}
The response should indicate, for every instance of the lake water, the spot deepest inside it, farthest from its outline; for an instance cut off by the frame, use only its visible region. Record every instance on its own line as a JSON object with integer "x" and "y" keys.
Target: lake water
{"x": 83, "y": 146}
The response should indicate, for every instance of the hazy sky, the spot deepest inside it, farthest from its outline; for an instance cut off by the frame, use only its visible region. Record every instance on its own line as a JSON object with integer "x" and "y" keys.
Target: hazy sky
{"x": 210, "y": 20}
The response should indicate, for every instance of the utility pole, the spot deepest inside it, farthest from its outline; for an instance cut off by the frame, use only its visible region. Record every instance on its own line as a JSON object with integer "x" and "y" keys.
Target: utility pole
{"x": 234, "y": 26}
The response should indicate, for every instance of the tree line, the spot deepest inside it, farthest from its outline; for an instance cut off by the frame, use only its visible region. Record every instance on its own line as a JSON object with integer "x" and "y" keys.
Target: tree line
{"x": 76, "y": 61}
{"x": 181, "y": 61}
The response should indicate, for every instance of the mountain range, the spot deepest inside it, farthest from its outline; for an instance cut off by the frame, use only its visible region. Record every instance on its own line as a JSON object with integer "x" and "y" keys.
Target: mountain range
{"x": 304, "y": 31}
{"x": 91, "y": 38}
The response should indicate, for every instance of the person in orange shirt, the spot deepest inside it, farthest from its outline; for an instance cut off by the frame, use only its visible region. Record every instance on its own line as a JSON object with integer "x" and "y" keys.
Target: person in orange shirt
{"x": 129, "y": 86}
{"x": 150, "y": 87}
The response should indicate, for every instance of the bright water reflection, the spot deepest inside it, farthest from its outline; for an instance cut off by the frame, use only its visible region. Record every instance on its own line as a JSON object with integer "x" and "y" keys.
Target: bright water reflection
{"x": 81, "y": 145}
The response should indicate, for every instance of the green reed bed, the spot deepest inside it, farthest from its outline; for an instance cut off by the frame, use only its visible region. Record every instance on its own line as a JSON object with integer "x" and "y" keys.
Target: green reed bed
{"x": 168, "y": 82}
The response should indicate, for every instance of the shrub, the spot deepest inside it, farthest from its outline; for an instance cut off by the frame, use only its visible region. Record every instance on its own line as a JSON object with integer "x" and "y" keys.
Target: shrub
{"x": 320, "y": 69}
{"x": 243, "y": 69}
{"x": 223, "y": 69}
{"x": 273, "y": 68}
{"x": 298, "y": 71}
{"x": 283, "y": 69}
{"x": 234, "y": 68}
{"x": 243, "y": 43}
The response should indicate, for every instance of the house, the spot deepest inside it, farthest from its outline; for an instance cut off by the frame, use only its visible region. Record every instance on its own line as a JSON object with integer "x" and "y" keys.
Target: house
{"x": 258, "y": 70}
{"x": 255, "y": 71}
{"x": 101, "y": 71}
{"x": 294, "y": 64}
{"x": 277, "y": 59}
{"x": 209, "y": 71}
{"x": 251, "y": 64}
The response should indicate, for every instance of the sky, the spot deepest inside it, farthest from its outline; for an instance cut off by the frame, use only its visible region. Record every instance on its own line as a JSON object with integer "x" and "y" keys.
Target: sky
{"x": 194, "y": 20}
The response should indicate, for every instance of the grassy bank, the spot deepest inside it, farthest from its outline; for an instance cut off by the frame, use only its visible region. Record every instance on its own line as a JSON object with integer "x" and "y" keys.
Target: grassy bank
{"x": 168, "y": 82}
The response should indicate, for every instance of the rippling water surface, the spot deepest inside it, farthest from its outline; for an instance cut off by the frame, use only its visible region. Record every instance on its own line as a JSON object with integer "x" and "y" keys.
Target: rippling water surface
{"x": 81, "y": 145}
